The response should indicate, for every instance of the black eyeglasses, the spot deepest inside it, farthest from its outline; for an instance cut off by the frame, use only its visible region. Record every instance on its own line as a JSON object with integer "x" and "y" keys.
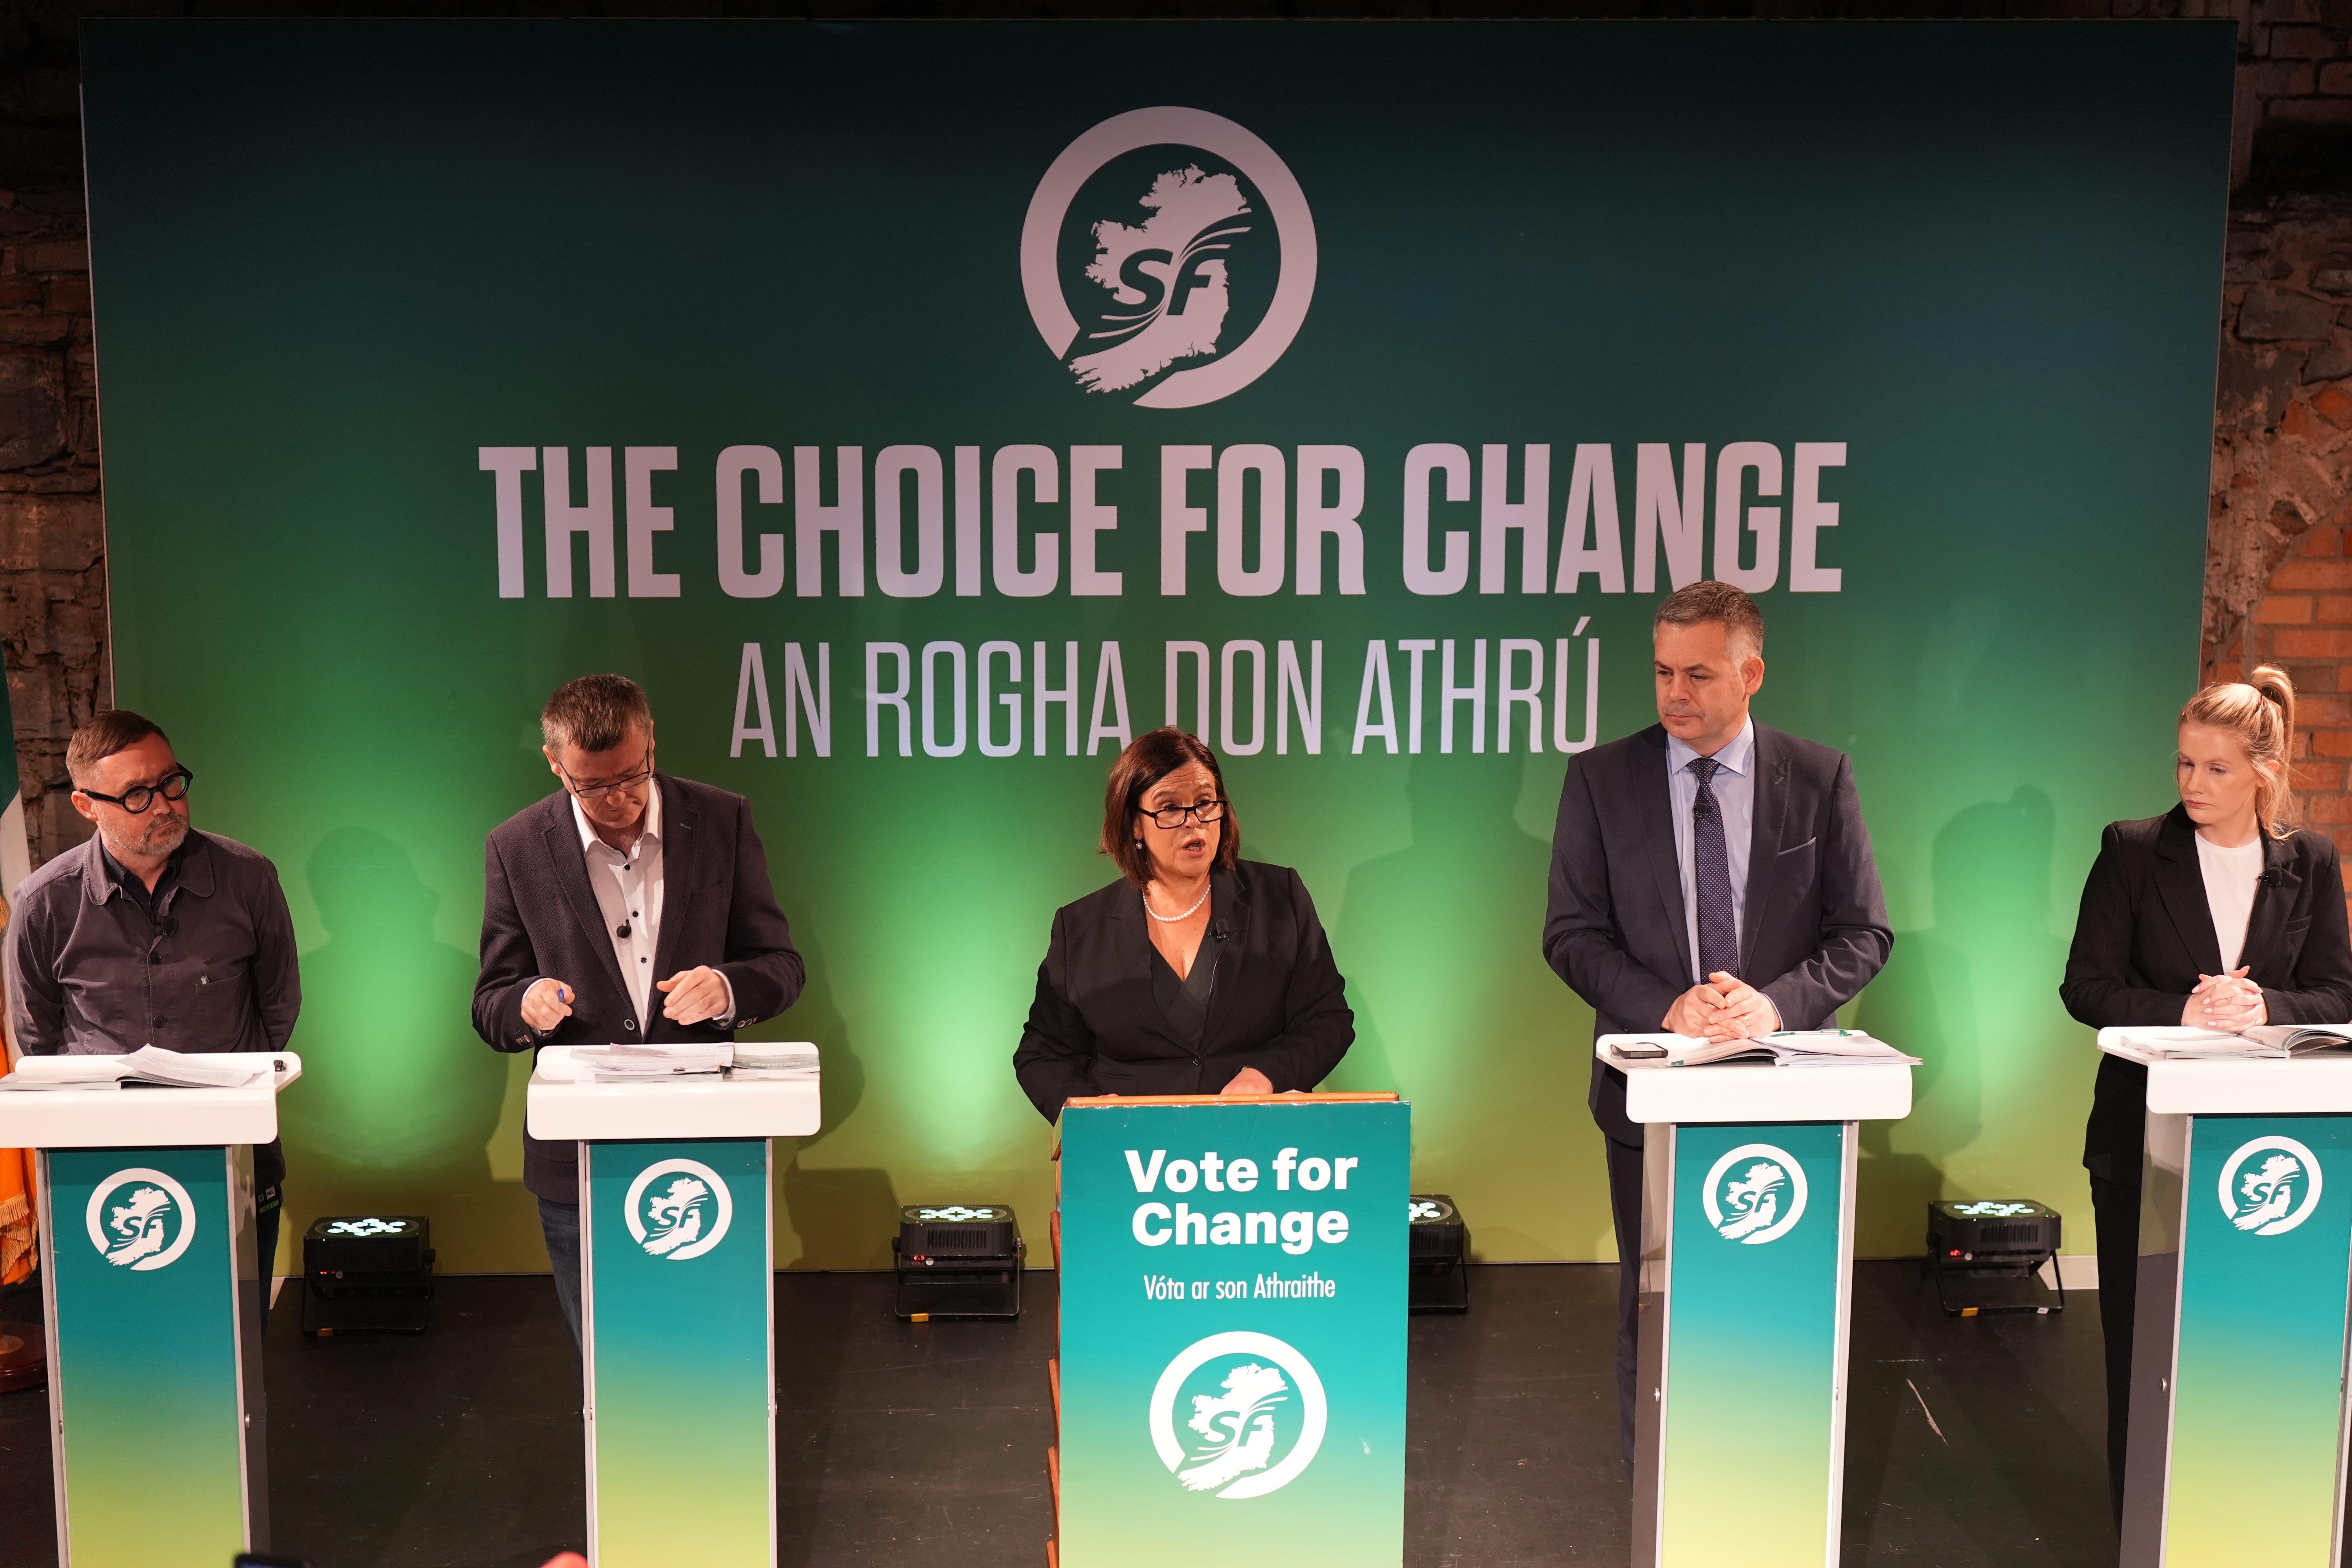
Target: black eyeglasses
{"x": 598, "y": 791}
{"x": 173, "y": 785}
{"x": 1174, "y": 816}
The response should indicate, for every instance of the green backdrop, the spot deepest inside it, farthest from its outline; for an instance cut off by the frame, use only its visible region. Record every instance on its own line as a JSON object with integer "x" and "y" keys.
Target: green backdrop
{"x": 335, "y": 263}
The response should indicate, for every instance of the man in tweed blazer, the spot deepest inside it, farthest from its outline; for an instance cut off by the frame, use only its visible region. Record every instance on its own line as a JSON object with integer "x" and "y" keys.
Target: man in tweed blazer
{"x": 584, "y": 943}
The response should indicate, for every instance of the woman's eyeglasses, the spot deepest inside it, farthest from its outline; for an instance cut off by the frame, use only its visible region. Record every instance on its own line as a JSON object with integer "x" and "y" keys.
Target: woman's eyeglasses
{"x": 1175, "y": 816}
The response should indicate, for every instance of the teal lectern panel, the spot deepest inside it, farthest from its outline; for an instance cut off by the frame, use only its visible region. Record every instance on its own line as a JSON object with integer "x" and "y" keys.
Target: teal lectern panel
{"x": 146, "y": 1368}
{"x": 1233, "y": 1345}
{"x": 1750, "y": 1363}
{"x": 676, "y": 1322}
{"x": 2257, "y": 1439}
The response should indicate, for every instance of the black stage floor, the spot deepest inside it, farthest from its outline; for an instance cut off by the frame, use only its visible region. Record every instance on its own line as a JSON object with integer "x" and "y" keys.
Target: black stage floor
{"x": 1970, "y": 1441}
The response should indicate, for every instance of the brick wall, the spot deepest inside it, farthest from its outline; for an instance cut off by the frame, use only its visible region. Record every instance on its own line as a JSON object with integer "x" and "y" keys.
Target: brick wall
{"x": 2279, "y": 565}
{"x": 52, "y": 544}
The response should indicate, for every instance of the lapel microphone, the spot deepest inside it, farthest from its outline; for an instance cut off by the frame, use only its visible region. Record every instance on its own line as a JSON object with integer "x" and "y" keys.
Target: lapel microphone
{"x": 1218, "y": 930}
{"x": 621, "y": 931}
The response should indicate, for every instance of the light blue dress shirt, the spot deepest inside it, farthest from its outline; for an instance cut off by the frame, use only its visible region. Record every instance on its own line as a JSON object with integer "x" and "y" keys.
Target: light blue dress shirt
{"x": 1735, "y": 791}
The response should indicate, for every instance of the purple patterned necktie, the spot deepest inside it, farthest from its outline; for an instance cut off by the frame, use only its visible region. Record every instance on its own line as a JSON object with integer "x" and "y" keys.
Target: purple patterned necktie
{"x": 1718, "y": 939}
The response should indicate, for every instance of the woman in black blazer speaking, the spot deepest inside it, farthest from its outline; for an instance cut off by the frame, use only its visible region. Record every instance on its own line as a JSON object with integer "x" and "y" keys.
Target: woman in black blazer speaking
{"x": 1197, "y": 971}
{"x": 2219, "y": 914}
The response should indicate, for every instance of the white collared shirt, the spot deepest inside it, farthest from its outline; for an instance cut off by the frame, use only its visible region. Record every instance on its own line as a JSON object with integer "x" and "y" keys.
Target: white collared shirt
{"x": 1735, "y": 791}
{"x": 628, "y": 888}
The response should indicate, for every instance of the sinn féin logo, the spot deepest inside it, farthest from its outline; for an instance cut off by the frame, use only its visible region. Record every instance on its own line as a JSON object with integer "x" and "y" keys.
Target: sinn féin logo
{"x": 2272, "y": 1194}
{"x": 1755, "y": 1194}
{"x": 1168, "y": 255}
{"x": 1257, "y": 1416}
{"x": 682, "y": 1217}
{"x": 148, "y": 1228}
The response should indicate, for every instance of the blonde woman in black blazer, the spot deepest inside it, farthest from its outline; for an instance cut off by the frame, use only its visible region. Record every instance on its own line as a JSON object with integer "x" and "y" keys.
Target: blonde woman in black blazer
{"x": 2219, "y": 914}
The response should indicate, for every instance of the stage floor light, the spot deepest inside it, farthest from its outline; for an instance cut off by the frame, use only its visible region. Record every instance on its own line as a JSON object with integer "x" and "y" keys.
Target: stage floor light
{"x": 1990, "y": 1251}
{"x": 954, "y": 1260}
{"x": 367, "y": 1272}
{"x": 1439, "y": 1247}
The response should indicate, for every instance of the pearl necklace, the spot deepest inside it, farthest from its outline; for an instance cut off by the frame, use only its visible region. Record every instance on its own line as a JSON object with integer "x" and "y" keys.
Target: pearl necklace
{"x": 1171, "y": 920}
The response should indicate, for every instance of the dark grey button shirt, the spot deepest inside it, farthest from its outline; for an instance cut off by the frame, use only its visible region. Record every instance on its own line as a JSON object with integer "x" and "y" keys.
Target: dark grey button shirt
{"x": 211, "y": 968}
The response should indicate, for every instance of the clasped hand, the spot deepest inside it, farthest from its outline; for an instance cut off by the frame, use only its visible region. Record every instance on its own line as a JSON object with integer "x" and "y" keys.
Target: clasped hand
{"x": 694, "y": 996}
{"x": 1725, "y": 1007}
{"x": 2230, "y": 1003}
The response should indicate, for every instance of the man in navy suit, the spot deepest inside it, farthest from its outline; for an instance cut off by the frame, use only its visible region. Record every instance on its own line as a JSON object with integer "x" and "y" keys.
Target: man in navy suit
{"x": 581, "y": 943}
{"x": 1709, "y": 877}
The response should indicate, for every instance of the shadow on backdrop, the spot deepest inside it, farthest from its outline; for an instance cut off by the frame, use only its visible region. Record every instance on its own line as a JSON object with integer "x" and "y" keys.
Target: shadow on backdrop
{"x": 398, "y": 1096}
{"x": 1970, "y": 995}
{"x": 1442, "y": 947}
{"x": 845, "y": 1217}
{"x": 1469, "y": 893}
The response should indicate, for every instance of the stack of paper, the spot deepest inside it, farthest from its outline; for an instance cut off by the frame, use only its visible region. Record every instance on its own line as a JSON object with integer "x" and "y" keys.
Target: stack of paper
{"x": 1790, "y": 1048}
{"x": 2273, "y": 1040}
{"x": 774, "y": 1059}
{"x": 149, "y": 1065}
{"x": 153, "y": 1064}
{"x": 640, "y": 1062}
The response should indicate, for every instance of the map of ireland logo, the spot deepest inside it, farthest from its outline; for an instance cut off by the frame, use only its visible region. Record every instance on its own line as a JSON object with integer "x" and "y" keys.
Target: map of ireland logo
{"x": 1755, "y": 1194}
{"x": 2270, "y": 1185}
{"x": 141, "y": 1220}
{"x": 1238, "y": 1414}
{"x": 1169, "y": 257}
{"x": 678, "y": 1209}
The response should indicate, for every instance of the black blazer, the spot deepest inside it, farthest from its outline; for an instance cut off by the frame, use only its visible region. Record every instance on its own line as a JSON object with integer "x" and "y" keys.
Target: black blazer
{"x": 1814, "y": 931}
{"x": 2145, "y": 933}
{"x": 539, "y": 919}
{"x": 1279, "y": 1005}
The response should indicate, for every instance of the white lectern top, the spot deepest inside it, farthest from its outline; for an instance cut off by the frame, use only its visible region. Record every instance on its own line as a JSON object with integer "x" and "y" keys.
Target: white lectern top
{"x": 1749, "y": 1091}
{"x": 111, "y": 1116}
{"x": 2314, "y": 1085}
{"x": 559, "y": 1105}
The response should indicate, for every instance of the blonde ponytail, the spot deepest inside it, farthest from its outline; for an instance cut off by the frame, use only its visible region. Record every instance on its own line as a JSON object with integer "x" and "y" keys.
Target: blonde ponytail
{"x": 2260, "y": 713}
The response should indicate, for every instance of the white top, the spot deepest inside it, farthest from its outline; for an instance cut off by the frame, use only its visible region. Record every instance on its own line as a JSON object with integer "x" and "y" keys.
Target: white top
{"x": 2231, "y": 877}
{"x": 107, "y": 1116}
{"x": 2319, "y": 1085}
{"x": 1843, "y": 1092}
{"x": 1735, "y": 793}
{"x": 628, "y": 890}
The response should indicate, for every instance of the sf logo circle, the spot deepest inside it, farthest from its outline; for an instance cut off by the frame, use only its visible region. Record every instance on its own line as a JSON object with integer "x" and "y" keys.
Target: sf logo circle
{"x": 678, "y": 1209}
{"x": 2270, "y": 1185}
{"x": 147, "y": 1226}
{"x": 1253, "y": 1414}
{"x": 1168, "y": 257}
{"x": 1754, "y": 1193}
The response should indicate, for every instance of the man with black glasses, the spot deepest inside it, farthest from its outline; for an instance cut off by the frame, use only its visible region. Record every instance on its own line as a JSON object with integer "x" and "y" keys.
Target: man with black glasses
{"x": 581, "y": 945}
{"x": 153, "y": 933}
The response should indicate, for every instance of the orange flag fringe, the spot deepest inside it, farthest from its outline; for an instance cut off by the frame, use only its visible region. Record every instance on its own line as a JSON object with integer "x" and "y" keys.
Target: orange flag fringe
{"x": 16, "y": 1205}
{"x": 17, "y": 1238}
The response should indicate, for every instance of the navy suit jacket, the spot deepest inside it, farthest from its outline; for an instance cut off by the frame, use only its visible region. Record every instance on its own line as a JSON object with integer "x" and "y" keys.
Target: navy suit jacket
{"x": 540, "y": 920}
{"x": 1813, "y": 930}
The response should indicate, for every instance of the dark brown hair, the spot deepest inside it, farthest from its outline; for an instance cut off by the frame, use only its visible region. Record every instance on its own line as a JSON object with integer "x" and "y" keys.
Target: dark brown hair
{"x": 595, "y": 712}
{"x": 110, "y": 730}
{"x": 1698, "y": 603}
{"x": 1147, "y": 759}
